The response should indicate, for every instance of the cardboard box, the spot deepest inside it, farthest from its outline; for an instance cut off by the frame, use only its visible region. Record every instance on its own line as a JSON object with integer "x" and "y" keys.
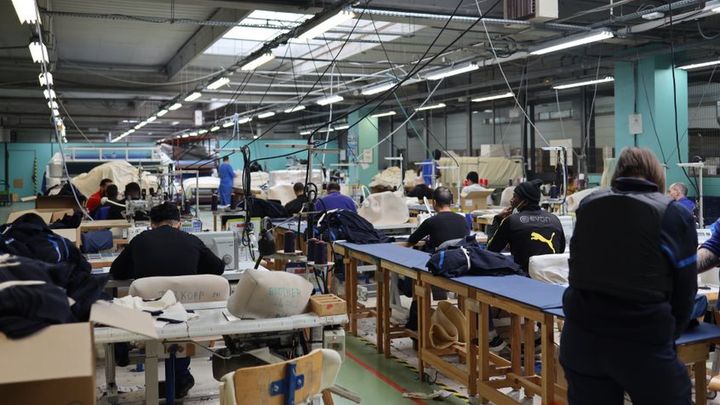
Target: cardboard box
{"x": 475, "y": 200}
{"x": 57, "y": 364}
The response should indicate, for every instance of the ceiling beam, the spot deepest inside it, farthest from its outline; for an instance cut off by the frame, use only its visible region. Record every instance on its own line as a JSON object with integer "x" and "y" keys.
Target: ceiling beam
{"x": 203, "y": 38}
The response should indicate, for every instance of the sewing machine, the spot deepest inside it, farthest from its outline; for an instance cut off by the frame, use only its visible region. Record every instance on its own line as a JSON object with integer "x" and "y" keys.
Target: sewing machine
{"x": 225, "y": 245}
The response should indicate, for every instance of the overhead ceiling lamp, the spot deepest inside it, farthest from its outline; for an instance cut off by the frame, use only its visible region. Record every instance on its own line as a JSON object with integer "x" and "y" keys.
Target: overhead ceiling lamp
{"x": 46, "y": 79}
{"x": 215, "y": 128}
{"x": 494, "y": 97}
{"x": 174, "y": 123}
{"x": 257, "y": 62}
{"x": 701, "y": 64}
{"x": 52, "y": 105}
{"x": 306, "y": 132}
{"x": 26, "y": 10}
{"x": 452, "y": 71}
{"x": 572, "y": 41}
{"x": 378, "y": 88}
{"x": 202, "y": 131}
{"x": 326, "y": 24}
{"x": 175, "y": 106}
{"x": 244, "y": 120}
{"x": 130, "y": 131}
{"x": 266, "y": 114}
{"x": 384, "y": 114}
{"x": 192, "y": 133}
{"x": 151, "y": 119}
{"x": 295, "y": 109}
{"x": 606, "y": 79}
{"x": 55, "y": 112}
{"x": 49, "y": 94}
{"x": 218, "y": 83}
{"x": 194, "y": 96}
{"x": 162, "y": 112}
{"x": 431, "y": 107}
{"x": 228, "y": 124}
{"x": 341, "y": 127}
{"x": 653, "y": 16}
{"x": 38, "y": 52}
{"x": 140, "y": 125}
{"x": 185, "y": 135}
{"x": 330, "y": 100}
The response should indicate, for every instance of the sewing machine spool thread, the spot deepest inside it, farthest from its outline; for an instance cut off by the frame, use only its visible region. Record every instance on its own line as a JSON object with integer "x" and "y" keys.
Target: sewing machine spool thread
{"x": 290, "y": 238}
{"x": 311, "y": 246}
{"x": 321, "y": 252}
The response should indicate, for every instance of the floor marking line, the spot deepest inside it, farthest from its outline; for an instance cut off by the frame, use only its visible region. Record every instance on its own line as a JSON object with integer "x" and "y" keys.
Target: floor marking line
{"x": 382, "y": 377}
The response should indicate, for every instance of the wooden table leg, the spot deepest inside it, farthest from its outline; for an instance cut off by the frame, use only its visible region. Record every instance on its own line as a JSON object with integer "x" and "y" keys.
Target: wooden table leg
{"x": 548, "y": 360}
{"x": 529, "y": 346}
{"x": 387, "y": 315}
{"x": 700, "y": 383}
{"x": 422, "y": 296}
{"x": 472, "y": 308}
{"x": 515, "y": 346}
{"x": 353, "y": 295}
{"x": 380, "y": 308}
{"x": 484, "y": 346}
{"x": 348, "y": 297}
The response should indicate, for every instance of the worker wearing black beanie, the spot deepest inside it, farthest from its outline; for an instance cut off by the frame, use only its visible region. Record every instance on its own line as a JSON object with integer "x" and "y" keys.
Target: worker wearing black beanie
{"x": 530, "y": 231}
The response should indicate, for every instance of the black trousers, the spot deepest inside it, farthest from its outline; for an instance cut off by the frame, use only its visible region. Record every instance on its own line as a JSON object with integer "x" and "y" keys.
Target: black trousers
{"x": 600, "y": 370}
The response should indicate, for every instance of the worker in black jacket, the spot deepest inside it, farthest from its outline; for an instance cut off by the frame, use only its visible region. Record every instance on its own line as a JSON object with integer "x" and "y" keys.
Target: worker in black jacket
{"x": 294, "y": 206}
{"x": 530, "y": 231}
{"x": 165, "y": 250}
{"x": 632, "y": 286}
{"x": 444, "y": 226}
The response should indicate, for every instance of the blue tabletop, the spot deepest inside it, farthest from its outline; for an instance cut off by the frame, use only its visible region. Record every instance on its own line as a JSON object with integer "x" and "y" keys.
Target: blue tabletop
{"x": 534, "y": 293}
{"x": 392, "y": 253}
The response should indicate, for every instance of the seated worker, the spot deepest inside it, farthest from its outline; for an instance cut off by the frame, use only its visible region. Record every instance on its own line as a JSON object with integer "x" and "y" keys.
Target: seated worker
{"x": 445, "y": 225}
{"x": 114, "y": 206}
{"x": 678, "y": 192}
{"x": 529, "y": 232}
{"x": 335, "y": 200}
{"x": 165, "y": 250}
{"x": 132, "y": 192}
{"x": 95, "y": 199}
{"x": 294, "y": 206}
{"x": 471, "y": 184}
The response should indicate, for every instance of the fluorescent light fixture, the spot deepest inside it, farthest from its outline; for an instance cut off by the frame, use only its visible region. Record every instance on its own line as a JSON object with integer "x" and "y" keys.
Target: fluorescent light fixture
{"x": 228, "y": 124}
{"x": 39, "y": 52}
{"x": 185, "y": 136}
{"x": 384, "y": 114}
{"x": 306, "y": 132}
{"x": 52, "y": 105}
{"x": 140, "y": 125}
{"x": 572, "y": 41}
{"x": 326, "y": 25}
{"x": 162, "y": 112}
{"x": 266, "y": 114}
{"x": 26, "y": 11}
{"x": 192, "y": 133}
{"x": 49, "y": 94}
{"x": 244, "y": 120}
{"x": 493, "y": 97}
{"x": 716, "y": 10}
{"x": 45, "y": 79}
{"x": 256, "y": 136}
{"x": 431, "y": 107}
{"x": 326, "y": 129}
{"x": 378, "y": 88}
{"x": 341, "y": 127}
{"x": 295, "y": 109}
{"x": 215, "y": 128}
{"x": 452, "y": 71}
{"x": 174, "y": 106}
{"x": 130, "y": 131}
{"x": 330, "y": 100}
{"x": 218, "y": 83}
{"x": 701, "y": 64}
{"x": 195, "y": 95}
{"x": 174, "y": 123}
{"x": 202, "y": 131}
{"x": 257, "y": 62}
{"x": 606, "y": 79}
{"x": 653, "y": 16}
{"x": 55, "y": 112}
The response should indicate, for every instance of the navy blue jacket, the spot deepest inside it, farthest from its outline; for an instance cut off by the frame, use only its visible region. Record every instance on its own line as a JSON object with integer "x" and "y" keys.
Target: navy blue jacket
{"x": 470, "y": 259}
{"x": 656, "y": 321}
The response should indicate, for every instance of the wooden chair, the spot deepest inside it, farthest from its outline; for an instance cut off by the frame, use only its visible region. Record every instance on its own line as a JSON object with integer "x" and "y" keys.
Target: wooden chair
{"x": 298, "y": 381}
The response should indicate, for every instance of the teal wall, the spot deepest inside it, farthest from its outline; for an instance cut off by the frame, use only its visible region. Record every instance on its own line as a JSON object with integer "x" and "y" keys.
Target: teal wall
{"x": 364, "y": 135}
{"x": 260, "y": 149}
{"x": 650, "y": 88}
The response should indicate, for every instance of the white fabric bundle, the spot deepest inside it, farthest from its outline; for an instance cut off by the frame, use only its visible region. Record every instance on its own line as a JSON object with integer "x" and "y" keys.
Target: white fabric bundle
{"x": 386, "y": 208}
{"x": 269, "y": 294}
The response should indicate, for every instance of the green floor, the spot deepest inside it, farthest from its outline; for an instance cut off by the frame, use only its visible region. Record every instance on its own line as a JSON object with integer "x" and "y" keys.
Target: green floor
{"x": 379, "y": 380}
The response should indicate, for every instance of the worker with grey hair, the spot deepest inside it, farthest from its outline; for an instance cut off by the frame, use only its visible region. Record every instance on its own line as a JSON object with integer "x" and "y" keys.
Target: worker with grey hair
{"x": 678, "y": 192}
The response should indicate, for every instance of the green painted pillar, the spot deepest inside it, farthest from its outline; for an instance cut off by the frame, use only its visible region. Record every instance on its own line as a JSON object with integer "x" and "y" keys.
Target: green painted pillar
{"x": 646, "y": 88}
{"x": 360, "y": 137}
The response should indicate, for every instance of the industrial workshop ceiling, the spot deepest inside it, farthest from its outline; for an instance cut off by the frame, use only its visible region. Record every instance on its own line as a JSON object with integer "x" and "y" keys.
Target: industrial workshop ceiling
{"x": 117, "y": 63}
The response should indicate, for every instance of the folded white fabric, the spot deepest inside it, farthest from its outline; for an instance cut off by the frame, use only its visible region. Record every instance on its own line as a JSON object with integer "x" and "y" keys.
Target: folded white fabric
{"x": 169, "y": 306}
